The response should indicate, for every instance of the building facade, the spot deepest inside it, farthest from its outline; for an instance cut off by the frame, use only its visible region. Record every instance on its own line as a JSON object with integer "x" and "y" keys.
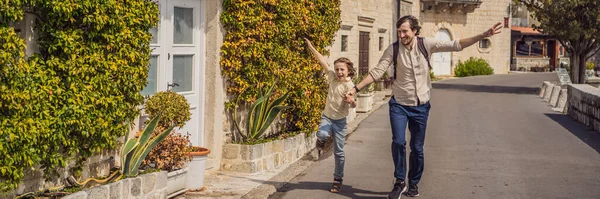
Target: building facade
{"x": 456, "y": 19}
{"x": 367, "y": 28}
{"x": 187, "y": 46}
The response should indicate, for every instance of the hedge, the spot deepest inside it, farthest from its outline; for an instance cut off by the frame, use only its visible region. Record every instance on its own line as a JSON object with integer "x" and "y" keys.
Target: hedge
{"x": 73, "y": 98}
{"x": 264, "y": 43}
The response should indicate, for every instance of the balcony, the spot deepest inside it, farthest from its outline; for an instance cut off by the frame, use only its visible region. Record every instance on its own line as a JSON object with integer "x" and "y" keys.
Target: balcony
{"x": 450, "y": 6}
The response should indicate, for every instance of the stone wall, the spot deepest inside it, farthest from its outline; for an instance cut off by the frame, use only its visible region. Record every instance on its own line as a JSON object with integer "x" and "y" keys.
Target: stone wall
{"x": 95, "y": 166}
{"x": 528, "y": 63}
{"x": 151, "y": 186}
{"x": 584, "y": 104}
{"x": 266, "y": 156}
{"x": 555, "y": 95}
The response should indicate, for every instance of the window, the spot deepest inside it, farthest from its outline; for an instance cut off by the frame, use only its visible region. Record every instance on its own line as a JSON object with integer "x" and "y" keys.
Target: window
{"x": 344, "y": 43}
{"x": 536, "y": 48}
{"x": 485, "y": 43}
{"x": 380, "y": 43}
{"x": 522, "y": 48}
{"x": 533, "y": 49}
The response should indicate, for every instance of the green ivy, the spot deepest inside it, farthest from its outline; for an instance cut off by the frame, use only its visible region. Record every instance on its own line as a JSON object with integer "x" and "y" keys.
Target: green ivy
{"x": 70, "y": 100}
{"x": 263, "y": 42}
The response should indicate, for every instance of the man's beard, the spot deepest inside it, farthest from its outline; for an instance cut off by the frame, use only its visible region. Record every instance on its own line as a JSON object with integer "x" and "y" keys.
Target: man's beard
{"x": 406, "y": 41}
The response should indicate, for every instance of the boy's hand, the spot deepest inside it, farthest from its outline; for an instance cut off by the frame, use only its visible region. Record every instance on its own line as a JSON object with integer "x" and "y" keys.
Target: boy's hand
{"x": 349, "y": 98}
{"x": 307, "y": 41}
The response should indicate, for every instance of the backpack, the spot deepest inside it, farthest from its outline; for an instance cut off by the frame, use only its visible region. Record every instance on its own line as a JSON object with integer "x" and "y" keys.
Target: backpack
{"x": 421, "y": 47}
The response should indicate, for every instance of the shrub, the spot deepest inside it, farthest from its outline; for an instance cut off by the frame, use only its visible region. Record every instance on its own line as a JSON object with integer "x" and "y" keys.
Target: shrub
{"x": 172, "y": 153}
{"x": 174, "y": 107}
{"x": 73, "y": 98}
{"x": 264, "y": 42}
{"x": 589, "y": 65}
{"x": 473, "y": 67}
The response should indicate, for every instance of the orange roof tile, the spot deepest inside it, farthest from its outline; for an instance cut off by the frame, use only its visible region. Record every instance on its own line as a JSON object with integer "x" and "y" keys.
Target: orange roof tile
{"x": 525, "y": 30}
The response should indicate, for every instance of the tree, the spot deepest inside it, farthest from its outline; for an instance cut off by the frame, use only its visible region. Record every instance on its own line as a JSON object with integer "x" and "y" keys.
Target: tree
{"x": 576, "y": 24}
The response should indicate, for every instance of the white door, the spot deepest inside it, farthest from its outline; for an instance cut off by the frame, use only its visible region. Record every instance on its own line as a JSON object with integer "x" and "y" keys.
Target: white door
{"x": 177, "y": 60}
{"x": 441, "y": 61}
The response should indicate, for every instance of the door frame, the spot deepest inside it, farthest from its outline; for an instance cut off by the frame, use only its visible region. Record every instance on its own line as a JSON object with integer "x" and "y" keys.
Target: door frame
{"x": 165, "y": 49}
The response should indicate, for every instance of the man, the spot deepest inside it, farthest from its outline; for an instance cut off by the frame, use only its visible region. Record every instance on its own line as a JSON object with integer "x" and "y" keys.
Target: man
{"x": 410, "y": 95}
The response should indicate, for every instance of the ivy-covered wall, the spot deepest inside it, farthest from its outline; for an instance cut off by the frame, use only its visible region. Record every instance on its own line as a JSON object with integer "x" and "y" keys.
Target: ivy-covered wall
{"x": 73, "y": 98}
{"x": 264, "y": 42}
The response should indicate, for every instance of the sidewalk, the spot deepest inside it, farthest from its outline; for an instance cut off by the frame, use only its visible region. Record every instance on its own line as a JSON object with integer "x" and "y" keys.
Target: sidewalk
{"x": 220, "y": 184}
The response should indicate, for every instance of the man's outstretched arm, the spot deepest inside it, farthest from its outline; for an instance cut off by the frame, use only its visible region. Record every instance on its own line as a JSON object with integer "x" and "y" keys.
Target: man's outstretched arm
{"x": 494, "y": 30}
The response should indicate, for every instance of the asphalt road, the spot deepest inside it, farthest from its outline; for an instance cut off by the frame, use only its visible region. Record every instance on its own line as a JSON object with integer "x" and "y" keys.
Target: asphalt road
{"x": 487, "y": 137}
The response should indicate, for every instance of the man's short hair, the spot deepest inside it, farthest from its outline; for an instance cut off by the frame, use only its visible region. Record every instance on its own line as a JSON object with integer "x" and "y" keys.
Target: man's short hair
{"x": 412, "y": 20}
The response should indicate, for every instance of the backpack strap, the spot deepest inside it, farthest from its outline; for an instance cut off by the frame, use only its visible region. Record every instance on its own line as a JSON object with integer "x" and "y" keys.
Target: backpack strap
{"x": 421, "y": 47}
{"x": 423, "y": 50}
{"x": 395, "y": 46}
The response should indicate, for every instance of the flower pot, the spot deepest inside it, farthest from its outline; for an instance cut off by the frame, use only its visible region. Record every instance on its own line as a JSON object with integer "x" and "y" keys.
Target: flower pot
{"x": 196, "y": 168}
{"x": 176, "y": 182}
{"x": 364, "y": 102}
{"x": 351, "y": 114}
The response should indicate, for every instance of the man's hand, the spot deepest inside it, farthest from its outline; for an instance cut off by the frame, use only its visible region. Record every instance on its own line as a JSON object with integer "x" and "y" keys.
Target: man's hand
{"x": 494, "y": 30}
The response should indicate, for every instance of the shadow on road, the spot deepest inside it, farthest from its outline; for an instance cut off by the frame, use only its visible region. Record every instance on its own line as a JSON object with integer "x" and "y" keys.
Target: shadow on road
{"x": 283, "y": 187}
{"x": 347, "y": 190}
{"x": 584, "y": 133}
{"x": 486, "y": 88}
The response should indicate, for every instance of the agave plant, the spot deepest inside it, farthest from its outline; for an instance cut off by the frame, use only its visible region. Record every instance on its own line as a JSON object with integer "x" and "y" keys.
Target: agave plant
{"x": 132, "y": 156}
{"x": 135, "y": 150}
{"x": 261, "y": 114}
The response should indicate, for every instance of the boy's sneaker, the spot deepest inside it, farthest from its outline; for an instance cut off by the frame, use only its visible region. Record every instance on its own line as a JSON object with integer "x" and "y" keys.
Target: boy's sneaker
{"x": 320, "y": 145}
{"x": 323, "y": 147}
{"x": 399, "y": 188}
{"x": 336, "y": 187}
{"x": 413, "y": 191}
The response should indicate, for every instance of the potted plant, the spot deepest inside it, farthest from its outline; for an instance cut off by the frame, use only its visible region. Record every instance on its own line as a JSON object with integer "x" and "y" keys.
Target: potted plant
{"x": 197, "y": 167}
{"x": 589, "y": 66}
{"x": 171, "y": 155}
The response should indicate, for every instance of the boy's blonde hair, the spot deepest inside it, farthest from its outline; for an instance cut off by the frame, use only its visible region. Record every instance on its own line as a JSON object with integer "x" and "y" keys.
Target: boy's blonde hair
{"x": 349, "y": 65}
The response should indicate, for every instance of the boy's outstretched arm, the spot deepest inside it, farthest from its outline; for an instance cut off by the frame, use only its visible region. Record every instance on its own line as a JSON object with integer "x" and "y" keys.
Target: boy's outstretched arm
{"x": 319, "y": 57}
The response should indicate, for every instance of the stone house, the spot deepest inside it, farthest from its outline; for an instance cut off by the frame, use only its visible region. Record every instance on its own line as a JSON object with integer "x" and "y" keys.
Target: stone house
{"x": 530, "y": 49}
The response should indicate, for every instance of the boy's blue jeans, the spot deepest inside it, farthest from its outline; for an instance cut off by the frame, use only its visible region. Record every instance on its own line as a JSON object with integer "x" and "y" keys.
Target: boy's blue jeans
{"x": 327, "y": 127}
{"x": 416, "y": 118}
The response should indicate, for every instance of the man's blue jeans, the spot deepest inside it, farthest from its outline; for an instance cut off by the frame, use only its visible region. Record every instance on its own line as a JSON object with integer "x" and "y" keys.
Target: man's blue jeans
{"x": 327, "y": 127}
{"x": 416, "y": 118}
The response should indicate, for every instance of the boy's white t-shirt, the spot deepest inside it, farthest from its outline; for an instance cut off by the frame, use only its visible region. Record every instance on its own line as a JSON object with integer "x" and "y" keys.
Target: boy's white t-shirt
{"x": 335, "y": 107}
